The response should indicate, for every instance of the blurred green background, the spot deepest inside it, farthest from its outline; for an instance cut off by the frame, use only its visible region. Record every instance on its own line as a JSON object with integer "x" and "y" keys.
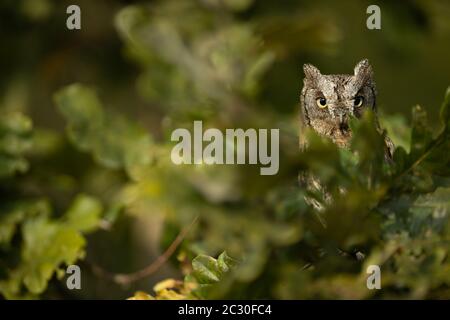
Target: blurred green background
{"x": 409, "y": 54}
{"x": 162, "y": 64}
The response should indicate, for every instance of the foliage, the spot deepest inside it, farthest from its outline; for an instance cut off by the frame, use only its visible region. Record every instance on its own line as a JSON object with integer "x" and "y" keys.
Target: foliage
{"x": 47, "y": 243}
{"x": 114, "y": 142}
{"x": 14, "y": 141}
{"x": 229, "y": 64}
{"x": 207, "y": 275}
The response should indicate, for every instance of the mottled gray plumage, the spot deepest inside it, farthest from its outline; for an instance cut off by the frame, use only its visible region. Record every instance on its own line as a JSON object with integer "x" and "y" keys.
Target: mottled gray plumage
{"x": 345, "y": 96}
{"x": 327, "y": 103}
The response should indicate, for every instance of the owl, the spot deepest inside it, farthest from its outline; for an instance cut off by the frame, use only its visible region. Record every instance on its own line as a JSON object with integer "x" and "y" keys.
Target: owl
{"x": 329, "y": 101}
{"x": 327, "y": 104}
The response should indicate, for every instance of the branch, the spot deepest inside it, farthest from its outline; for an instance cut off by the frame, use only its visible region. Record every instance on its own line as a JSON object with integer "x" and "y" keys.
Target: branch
{"x": 125, "y": 279}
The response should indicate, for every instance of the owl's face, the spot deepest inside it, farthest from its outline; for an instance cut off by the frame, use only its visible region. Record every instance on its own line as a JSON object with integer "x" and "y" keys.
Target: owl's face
{"x": 329, "y": 101}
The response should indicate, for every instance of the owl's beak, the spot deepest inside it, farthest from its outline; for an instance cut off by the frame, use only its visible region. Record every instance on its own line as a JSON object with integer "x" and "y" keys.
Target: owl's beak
{"x": 343, "y": 122}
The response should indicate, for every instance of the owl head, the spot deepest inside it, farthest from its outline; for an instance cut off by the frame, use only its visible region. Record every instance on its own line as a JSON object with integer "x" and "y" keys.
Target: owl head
{"x": 329, "y": 101}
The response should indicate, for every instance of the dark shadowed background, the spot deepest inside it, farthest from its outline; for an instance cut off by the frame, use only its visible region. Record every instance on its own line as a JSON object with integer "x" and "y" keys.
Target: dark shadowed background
{"x": 159, "y": 65}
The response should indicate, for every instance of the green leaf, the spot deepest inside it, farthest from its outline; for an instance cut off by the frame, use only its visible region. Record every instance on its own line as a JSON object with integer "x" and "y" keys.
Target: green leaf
{"x": 431, "y": 211}
{"x": 84, "y": 214}
{"x": 207, "y": 270}
{"x": 48, "y": 244}
{"x": 398, "y": 130}
{"x": 421, "y": 135}
{"x": 225, "y": 262}
{"x": 15, "y": 141}
{"x": 369, "y": 144}
{"x": 114, "y": 141}
{"x": 445, "y": 111}
{"x": 14, "y": 213}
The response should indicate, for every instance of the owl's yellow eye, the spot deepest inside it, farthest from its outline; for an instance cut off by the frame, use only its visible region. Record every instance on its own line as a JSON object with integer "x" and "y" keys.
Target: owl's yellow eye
{"x": 358, "y": 101}
{"x": 321, "y": 103}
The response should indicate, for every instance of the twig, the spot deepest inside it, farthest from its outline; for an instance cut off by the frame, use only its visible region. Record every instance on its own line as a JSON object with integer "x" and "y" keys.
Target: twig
{"x": 427, "y": 152}
{"x": 125, "y": 279}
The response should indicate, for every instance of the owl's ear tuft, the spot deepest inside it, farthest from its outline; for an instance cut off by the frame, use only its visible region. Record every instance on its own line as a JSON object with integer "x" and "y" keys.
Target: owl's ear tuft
{"x": 363, "y": 69}
{"x": 311, "y": 72}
